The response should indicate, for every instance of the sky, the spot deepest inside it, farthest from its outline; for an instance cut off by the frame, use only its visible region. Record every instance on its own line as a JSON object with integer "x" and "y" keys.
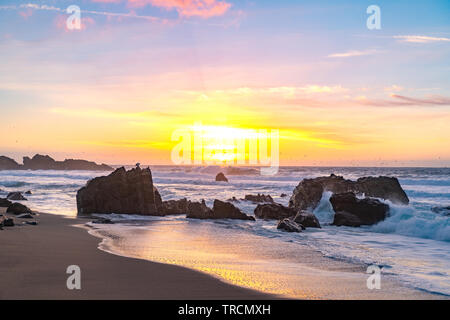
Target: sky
{"x": 137, "y": 71}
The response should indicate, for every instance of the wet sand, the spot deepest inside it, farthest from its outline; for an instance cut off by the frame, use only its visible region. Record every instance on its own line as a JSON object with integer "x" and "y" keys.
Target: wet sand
{"x": 34, "y": 260}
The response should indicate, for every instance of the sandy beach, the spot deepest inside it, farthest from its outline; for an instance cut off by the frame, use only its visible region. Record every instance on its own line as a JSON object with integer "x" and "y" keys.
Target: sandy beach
{"x": 34, "y": 260}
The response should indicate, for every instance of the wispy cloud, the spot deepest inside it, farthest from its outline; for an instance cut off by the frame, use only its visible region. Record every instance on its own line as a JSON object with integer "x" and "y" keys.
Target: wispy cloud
{"x": 186, "y": 8}
{"x": 399, "y": 100}
{"x": 420, "y": 39}
{"x": 353, "y": 53}
{"x": 34, "y": 6}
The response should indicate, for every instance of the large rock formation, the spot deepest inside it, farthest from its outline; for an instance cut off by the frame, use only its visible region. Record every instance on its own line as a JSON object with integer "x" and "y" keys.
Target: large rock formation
{"x": 122, "y": 192}
{"x": 221, "y": 210}
{"x": 307, "y": 219}
{"x": 273, "y": 211}
{"x": 40, "y": 162}
{"x": 8, "y": 164}
{"x": 354, "y": 212}
{"x": 308, "y": 193}
{"x": 258, "y": 198}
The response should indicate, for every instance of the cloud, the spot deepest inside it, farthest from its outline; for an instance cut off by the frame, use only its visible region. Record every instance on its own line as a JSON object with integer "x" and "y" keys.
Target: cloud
{"x": 399, "y": 100}
{"x": 421, "y": 39}
{"x": 353, "y": 53}
{"x": 186, "y": 8}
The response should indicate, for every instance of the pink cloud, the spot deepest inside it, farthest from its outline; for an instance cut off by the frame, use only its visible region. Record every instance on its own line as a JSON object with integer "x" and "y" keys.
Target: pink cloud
{"x": 187, "y": 8}
{"x": 61, "y": 22}
{"x": 26, "y": 14}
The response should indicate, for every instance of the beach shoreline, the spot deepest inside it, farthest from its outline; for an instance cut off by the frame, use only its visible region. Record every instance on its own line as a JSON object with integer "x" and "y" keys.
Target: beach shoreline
{"x": 34, "y": 261}
{"x": 35, "y": 258}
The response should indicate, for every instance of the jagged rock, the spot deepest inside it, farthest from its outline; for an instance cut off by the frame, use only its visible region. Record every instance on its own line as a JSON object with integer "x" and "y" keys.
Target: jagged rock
{"x": 25, "y": 216}
{"x": 442, "y": 210}
{"x": 221, "y": 177}
{"x": 8, "y": 164}
{"x": 273, "y": 211}
{"x": 175, "y": 206}
{"x": 307, "y": 219}
{"x": 199, "y": 210}
{"x": 40, "y": 162}
{"x": 121, "y": 192}
{"x": 289, "y": 226}
{"x": 103, "y": 221}
{"x": 351, "y": 211}
{"x": 308, "y": 193}
{"x": 5, "y": 203}
{"x": 258, "y": 198}
{"x": 226, "y": 210}
{"x": 221, "y": 210}
{"x": 18, "y": 208}
{"x": 17, "y": 196}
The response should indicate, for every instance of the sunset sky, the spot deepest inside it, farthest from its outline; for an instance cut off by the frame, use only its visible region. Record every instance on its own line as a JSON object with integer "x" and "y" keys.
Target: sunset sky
{"x": 116, "y": 90}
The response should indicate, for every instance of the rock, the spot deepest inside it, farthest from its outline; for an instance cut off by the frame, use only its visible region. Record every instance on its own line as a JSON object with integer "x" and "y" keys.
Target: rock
{"x": 342, "y": 218}
{"x": 283, "y": 195}
{"x": 308, "y": 193}
{"x": 25, "y": 216}
{"x": 226, "y": 210}
{"x": 369, "y": 211}
{"x": 8, "y": 164}
{"x": 40, "y": 162}
{"x": 258, "y": 198}
{"x": 121, "y": 192}
{"x": 5, "y": 203}
{"x": 221, "y": 177}
{"x": 289, "y": 226}
{"x": 8, "y": 222}
{"x": 307, "y": 219}
{"x": 199, "y": 210}
{"x": 233, "y": 199}
{"x": 103, "y": 221}
{"x": 18, "y": 208}
{"x": 17, "y": 196}
{"x": 442, "y": 210}
{"x": 33, "y": 223}
{"x": 221, "y": 210}
{"x": 273, "y": 211}
{"x": 175, "y": 206}
{"x": 28, "y": 192}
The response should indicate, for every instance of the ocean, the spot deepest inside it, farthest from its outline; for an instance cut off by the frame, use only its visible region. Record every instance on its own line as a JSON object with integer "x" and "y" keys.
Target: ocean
{"x": 412, "y": 245}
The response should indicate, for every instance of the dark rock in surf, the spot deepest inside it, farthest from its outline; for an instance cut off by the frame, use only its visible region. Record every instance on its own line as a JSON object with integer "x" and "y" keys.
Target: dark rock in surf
{"x": 308, "y": 193}
{"x": 8, "y": 222}
{"x": 273, "y": 211}
{"x": 221, "y": 177}
{"x": 283, "y": 195}
{"x": 17, "y": 196}
{"x": 5, "y": 203}
{"x": 233, "y": 199}
{"x": 258, "y": 198}
{"x": 28, "y": 192}
{"x": 307, "y": 219}
{"x": 103, "y": 221}
{"x": 175, "y": 206}
{"x": 18, "y": 208}
{"x": 442, "y": 210}
{"x": 199, "y": 210}
{"x": 289, "y": 226}
{"x": 354, "y": 212}
{"x": 121, "y": 192}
